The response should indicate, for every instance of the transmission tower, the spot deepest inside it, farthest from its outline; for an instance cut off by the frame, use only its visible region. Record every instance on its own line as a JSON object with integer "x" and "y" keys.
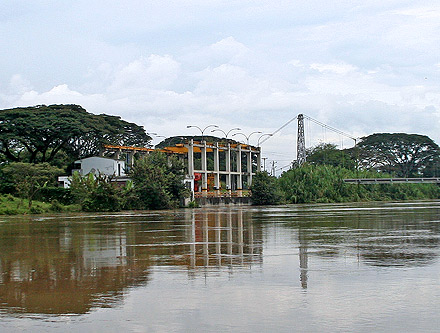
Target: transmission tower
{"x": 301, "y": 143}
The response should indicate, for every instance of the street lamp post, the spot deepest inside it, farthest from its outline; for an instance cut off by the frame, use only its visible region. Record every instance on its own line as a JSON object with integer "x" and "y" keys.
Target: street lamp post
{"x": 258, "y": 142}
{"x": 247, "y": 136}
{"x": 155, "y": 135}
{"x": 201, "y": 130}
{"x": 226, "y": 133}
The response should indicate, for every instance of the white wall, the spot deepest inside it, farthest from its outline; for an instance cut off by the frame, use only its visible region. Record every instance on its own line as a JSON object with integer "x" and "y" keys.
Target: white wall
{"x": 105, "y": 166}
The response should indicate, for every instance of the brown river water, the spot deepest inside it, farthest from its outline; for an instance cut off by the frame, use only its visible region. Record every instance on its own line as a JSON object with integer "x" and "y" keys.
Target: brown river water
{"x": 364, "y": 267}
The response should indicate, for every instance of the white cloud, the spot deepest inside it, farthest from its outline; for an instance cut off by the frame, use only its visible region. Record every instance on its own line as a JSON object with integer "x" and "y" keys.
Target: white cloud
{"x": 340, "y": 68}
{"x": 255, "y": 65}
{"x": 154, "y": 72}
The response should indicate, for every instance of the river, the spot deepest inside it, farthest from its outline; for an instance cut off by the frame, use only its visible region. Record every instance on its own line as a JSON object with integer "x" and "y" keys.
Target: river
{"x": 358, "y": 267}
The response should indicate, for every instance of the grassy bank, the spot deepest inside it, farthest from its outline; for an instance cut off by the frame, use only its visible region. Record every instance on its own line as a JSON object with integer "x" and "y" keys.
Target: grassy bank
{"x": 10, "y": 205}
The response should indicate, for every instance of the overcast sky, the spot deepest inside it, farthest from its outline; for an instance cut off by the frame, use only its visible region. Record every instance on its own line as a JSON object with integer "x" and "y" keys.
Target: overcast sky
{"x": 360, "y": 66}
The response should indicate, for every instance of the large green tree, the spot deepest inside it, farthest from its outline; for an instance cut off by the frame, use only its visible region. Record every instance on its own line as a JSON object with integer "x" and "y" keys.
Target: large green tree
{"x": 401, "y": 154}
{"x": 329, "y": 154}
{"x": 39, "y": 133}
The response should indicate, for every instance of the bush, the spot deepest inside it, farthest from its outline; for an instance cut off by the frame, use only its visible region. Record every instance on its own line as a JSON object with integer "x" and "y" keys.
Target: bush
{"x": 95, "y": 193}
{"x": 264, "y": 190}
{"x": 60, "y": 194}
{"x": 55, "y": 206}
{"x": 36, "y": 209}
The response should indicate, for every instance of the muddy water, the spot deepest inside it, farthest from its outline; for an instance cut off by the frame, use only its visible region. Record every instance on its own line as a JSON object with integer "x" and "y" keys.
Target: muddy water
{"x": 352, "y": 267}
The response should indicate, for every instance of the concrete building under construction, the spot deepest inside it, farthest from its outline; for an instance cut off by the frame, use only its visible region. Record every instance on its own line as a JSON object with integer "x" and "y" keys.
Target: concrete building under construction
{"x": 211, "y": 168}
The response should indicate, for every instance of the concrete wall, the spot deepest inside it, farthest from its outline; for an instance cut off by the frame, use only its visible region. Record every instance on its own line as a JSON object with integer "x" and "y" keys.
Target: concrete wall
{"x": 222, "y": 201}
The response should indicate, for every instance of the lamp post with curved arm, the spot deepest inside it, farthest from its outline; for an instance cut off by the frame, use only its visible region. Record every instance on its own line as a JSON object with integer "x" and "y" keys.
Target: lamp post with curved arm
{"x": 258, "y": 142}
{"x": 247, "y": 136}
{"x": 155, "y": 135}
{"x": 201, "y": 130}
{"x": 226, "y": 133}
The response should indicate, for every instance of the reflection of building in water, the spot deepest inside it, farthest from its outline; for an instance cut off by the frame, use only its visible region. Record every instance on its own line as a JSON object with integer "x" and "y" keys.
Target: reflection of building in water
{"x": 70, "y": 267}
{"x": 223, "y": 239}
{"x": 303, "y": 258}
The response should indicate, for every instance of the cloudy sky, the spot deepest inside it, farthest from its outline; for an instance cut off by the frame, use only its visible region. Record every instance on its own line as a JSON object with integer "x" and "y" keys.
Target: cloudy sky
{"x": 360, "y": 66}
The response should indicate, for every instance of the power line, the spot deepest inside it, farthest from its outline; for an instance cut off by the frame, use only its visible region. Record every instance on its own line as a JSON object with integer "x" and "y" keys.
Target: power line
{"x": 329, "y": 127}
{"x": 279, "y": 129}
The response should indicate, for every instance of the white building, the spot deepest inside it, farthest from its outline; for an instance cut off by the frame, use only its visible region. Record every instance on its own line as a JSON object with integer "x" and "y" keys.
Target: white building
{"x": 95, "y": 165}
{"x": 102, "y": 165}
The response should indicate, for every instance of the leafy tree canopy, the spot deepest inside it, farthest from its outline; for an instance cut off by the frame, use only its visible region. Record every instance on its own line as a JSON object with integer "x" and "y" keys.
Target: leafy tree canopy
{"x": 172, "y": 141}
{"x": 158, "y": 181}
{"x": 39, "y": 133}
{"x": 328, "y": 154}
{"x": 264, "y": 190}
{"x": 405, "y": 155}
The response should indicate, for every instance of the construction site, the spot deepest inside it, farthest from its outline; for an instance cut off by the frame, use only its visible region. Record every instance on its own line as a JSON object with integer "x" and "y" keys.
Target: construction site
{"x": 212, "y": 169}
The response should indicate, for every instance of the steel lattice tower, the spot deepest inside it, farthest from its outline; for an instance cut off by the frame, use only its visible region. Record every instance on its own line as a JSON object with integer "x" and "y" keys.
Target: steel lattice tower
{"x": 301, "y": 143}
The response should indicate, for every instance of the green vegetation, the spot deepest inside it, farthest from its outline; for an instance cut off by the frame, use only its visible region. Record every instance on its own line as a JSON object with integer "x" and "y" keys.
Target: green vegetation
{"x": 39, "y": 143}
{"x": 265, "y": 190}
{"x": 29, "y": 179}
{"x": 10, "y": 205}
{"x": 400, "y": 154}
{"x": 95, "y": 193}
{"x": 67, "y": 132}
{"x": 324, "y": 183}
{"x": 157, "y": 182}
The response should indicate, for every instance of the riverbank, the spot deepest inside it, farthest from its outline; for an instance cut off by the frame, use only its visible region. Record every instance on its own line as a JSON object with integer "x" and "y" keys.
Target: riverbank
{"x": 10, "y": 205}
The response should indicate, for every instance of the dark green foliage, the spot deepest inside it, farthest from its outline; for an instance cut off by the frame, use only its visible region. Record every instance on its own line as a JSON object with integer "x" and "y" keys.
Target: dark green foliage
{"x": 38, "y": 134}
{"x": 328, "y": 154}
{"x": 55, "y": 206}
{"x": 400, "y": 154}
{"x": 172, "y": 141}
{"x": 158, "y": 181}
{"x": 29, "y": 179}
{"x": 6, "y": 183}
{"x": 323, "y": 183}
{"x": 95, "y": 193}
{"x": 60, "y": 194}
{"x": 264, "y": 190}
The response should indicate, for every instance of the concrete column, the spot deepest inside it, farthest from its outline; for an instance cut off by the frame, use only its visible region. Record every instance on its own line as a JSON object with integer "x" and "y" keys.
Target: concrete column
{"x": 216, "y": 168}
{"x": 204, "y": 170}
{"x": 191, "y": 158}
{"x": 228, "y": 168}
{"x": 259, "y": 159}
{"x": 249, "y": 167}
{"x": 131, "y": 158}
{"x": 240, "y": 175}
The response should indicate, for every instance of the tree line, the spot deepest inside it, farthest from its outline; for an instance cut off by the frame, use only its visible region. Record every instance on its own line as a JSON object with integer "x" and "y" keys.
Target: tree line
{"x": 39, "y": 143}
{"x": 379, "y": 155}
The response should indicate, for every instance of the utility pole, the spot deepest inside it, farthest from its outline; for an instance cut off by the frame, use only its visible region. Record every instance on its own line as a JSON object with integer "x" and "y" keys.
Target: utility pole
{"x": 301, "y": 142}
{"x": 264, "y": 163}
{"x": 273, "y": 168}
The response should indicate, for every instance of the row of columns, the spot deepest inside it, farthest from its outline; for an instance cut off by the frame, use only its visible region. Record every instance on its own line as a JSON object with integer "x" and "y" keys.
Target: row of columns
{"x": 239, "y": 173}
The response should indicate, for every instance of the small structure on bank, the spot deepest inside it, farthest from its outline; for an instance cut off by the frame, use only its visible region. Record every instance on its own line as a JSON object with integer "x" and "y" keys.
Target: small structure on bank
{"x": 97, "y": 165}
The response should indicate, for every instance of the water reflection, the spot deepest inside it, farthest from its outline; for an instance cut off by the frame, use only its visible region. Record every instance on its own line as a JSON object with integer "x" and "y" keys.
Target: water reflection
{"x": 70, "y": 265}
{"x": 379, "y": 234}
{"x": 224, "y": 239}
